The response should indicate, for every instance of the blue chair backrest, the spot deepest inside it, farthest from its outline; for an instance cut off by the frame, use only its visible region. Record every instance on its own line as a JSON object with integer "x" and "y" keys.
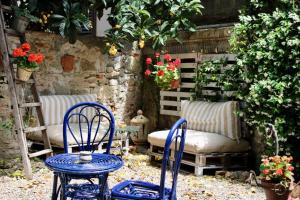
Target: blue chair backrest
{"x": 93, "y": 122}
{"x": 176, "y": 138}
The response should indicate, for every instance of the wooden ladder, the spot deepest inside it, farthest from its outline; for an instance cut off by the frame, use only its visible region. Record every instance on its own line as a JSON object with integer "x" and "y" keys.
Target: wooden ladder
{"x": 18, "y": 103}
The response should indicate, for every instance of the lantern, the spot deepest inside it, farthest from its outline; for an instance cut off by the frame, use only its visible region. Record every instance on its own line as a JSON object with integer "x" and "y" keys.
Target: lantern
{"x": 141, "y": 136}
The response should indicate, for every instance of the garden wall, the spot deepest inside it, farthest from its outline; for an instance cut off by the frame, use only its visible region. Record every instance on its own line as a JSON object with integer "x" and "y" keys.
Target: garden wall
{"x": 116, "y": 81}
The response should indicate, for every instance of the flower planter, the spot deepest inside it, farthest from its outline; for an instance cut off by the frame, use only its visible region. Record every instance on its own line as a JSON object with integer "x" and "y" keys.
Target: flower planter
{"x": 274, "y": 191}
{"x": 20, "y": 24}
{"x": 24, "y": 74}
{"x": 175, "y": 84}
{"x": 67, "y": 62}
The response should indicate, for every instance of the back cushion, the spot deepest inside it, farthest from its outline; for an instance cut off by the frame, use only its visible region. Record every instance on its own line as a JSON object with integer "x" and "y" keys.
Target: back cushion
{"x": 55, "y": 106}
{"x": 213, "y": 117}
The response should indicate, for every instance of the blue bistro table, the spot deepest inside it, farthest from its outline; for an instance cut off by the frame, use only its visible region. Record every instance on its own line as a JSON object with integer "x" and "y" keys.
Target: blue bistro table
{"x": 68, "y": 165}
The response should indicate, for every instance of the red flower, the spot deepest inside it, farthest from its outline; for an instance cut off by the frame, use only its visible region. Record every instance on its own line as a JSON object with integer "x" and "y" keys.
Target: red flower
{"x": 160, "y": 63}
{"x": 290, "y": 168}
{"x": 39, "y": 58}
{"x": 279, "y": 172}
{"x": 32, "y": 57}
{"x": 148, "y": 61}
{"x": 160, "y": 73}
{"x": 157, "y": 55}
{"x": 147, "y": 72}
{"x": 18, "y": 52}
{"x": 25, "y": 46}
{"x": 265, "y": 171}
{"x": 171, "y": 67}
{"x": 167, "y": 57}
{"x": 177, "y": 62}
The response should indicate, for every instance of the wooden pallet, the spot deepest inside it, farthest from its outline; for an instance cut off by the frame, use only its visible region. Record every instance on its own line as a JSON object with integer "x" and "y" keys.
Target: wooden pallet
{"x": 201, "y": 162}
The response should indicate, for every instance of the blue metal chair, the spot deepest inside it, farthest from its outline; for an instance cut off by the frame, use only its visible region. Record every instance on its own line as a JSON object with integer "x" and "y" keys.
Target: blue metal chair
{"x": 143, "y": 190}
{"x": 95, "y": 124}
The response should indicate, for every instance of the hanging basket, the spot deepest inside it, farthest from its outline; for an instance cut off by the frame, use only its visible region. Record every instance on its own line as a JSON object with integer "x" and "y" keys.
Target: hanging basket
{"x": 24, "y": 73}
{"x": 274, "y": 191}
{"x": 175, "y": 84}
{"x": 20, "y": 24}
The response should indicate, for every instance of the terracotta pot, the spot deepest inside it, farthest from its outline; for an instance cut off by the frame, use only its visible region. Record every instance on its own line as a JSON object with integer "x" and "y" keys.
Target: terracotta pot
{"x": 67, "y": 62}
{"x": 175, "y": 84}
{"x": 20, "y": 24}
{"x": 24, "y": 73}
{"x": 274, "y": 191}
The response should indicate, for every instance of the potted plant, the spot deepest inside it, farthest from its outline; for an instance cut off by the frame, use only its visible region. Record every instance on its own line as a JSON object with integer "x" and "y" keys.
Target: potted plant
{"x": 276, "y": 173}
{"x": 166, "y": 74}
{"x": 26, "y": 61}
{"x": 71, "y": 20}
{"x": 22, "y": 19}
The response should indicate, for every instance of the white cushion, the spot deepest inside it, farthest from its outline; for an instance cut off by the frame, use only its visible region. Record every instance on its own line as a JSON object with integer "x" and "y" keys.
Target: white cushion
{"x": 212, "y": 117}
{"x": 54, "y": 107}
{"x": 55, "y": 134}
{"x": 202, "y": 142}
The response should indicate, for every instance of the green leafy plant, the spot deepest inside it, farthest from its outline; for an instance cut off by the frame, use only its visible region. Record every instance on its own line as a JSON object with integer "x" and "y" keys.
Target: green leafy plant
{"x": 71, "y": 21}
{"x": 156, "y": 21}
{"x": 24, "y": 12}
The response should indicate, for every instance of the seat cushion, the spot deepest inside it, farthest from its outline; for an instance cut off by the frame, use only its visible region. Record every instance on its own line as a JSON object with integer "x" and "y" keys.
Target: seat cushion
{"x": 55, "y": 134}
{"x": 202, "y": 142}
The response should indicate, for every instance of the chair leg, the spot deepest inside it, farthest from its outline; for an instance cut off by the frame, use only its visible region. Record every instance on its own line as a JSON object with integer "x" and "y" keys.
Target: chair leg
{"x": 64, "y": 182}
{"x": 54, "y": 187}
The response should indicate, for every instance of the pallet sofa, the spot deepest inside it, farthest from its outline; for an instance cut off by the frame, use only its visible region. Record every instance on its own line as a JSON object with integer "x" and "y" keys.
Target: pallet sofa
{"x": 213, "y": 139}
{"x": 54, "y": 108}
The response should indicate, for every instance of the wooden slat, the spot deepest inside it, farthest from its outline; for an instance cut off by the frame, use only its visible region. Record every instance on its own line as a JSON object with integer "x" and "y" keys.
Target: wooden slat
{"x": 185, "y": 55}
{"x": 30, "y": 81}
{"x": 25, "y": 105}
{"x": 187, "y": 85}
{"x": 176, "y": 94}
{"x": 207, "y": 57}
{"x": 39, "y": 153}
{"x": 187, "y": 75}
{"x": 188, "y": 65}
{"x": 34, "y": 129}
{"x": 169, "y": 103}
{"x": 6, "y": 8}
{"x": 169, "y": 112}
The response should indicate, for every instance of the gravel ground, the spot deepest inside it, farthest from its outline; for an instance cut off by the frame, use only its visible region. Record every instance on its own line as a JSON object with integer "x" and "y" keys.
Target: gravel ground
{"x": 137, "y": 167}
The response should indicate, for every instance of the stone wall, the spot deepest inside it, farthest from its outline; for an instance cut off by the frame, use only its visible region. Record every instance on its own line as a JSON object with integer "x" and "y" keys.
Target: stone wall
{"x": 115, "y": 80}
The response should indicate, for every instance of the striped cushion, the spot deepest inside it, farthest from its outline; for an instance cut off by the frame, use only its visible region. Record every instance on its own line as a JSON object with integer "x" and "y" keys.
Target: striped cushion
{"x": 54, "y": 107}
{"x": 213, "y": 117}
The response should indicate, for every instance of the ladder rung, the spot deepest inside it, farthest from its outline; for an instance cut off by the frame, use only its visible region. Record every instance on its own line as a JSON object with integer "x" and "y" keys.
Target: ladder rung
{"x": 6, "y": 8}
{"x": 12, "y": 32}
{"x": 34, "y": 129}
{"x": 30, "y": 81}
{"x": 25, "y": 105}
{"x": 39, "y": 153}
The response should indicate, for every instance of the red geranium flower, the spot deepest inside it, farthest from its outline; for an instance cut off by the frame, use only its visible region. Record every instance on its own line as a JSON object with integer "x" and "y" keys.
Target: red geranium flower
{"x": 18, "y": 52}
{"x": 147, "y": 72}
{"x": 167, "y": 57}
{"x": 148, "y": 61}
{"x": 39, "y": 58}
{"x": 25, "y": 46}
{"x": 265, "y": 171}
{"x": 157, "y": 54}
{"x": 171, "y": 67}
{"x": 160, "y": 73}
{"x": 160, "y": 63}
{"x": 32, "y": 57}
{"x": 279, "y": 172}
{"x": 290, "y": 168}
{"x": 177, "y": 62}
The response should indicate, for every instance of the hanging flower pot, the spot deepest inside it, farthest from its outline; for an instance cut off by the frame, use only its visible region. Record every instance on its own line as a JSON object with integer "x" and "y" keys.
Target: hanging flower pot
{"x": 274, "y": 191}
{"x": 20, "y": 24}
{"x": 24, "y": 73}
{"x": 67, "y": 62}
{"x": 175, "y": 84}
